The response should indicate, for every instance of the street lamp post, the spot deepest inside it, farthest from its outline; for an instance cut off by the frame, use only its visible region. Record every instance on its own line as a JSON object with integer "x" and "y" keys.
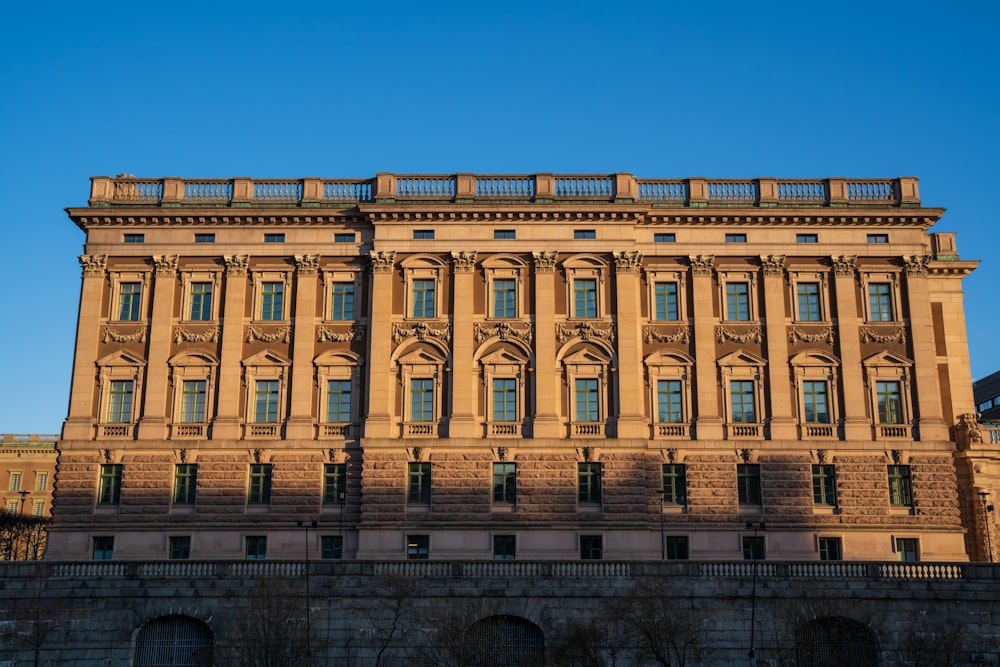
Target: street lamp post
{"x": 753, "y": 586}
{"x": 987, "y": 508}
{"x": 307, "y": 526}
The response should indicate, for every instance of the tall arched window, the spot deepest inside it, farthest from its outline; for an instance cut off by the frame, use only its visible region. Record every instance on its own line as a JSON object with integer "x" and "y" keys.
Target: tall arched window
{"x": 503, "y": 641}
{"x": 834, "y": 641}
{"x": 172, "y": 641}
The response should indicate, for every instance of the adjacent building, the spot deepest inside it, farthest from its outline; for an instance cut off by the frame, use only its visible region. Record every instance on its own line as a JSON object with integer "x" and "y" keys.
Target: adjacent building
{"x": 987, "y": 394}
{"x": 520, "y": 367}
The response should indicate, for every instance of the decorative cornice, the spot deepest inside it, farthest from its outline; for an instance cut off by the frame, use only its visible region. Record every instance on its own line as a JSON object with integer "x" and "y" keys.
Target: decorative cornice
{"x": 464, "y": 260}
{"x": 182, "y": 335}
{"x": 236, "y": 265}
{"x": 702, "y": 265}
{"x": 307, "y": 265}
{"x": 382, "y": 260}
{"x": 166, "y": 265}
{"x": 822, "y": 336}
{"x": 114, "y": 336}
{"x": 916, "y": 265}
{"x": 545, "y": 261}
{"x": 420, "y": 331}
{"x": 754, "y": 335}
{"x": 93, "y": 265}
{"x": 896, "y": 336}
{"x": 844, "y": 266}
{"x": 355, "y": 333}
{"x": 585, "y": 331}
{"x": 628, "y": 261}
{"x": 772, "y": 265}
{"x": 504, "y": 331}
{"x": 681, "y": 334}
{"x": 280, "y": 334}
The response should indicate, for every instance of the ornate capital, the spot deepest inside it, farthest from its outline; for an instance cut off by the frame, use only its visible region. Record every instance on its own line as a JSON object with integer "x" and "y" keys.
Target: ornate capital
{"x": 503, "y": 331}
{"x": 844, "y": 266}
{"x": 420, "y": 331}
{"x": 307, "y": 265}
{"x": 916, "y": 265}
{"x": 236, "y": 265}
{"x": 702, "y": 265}
{"x": 356, "y": 332}
{"x": 772, "y": 265}
{"x": 681, "y": 334}
{"x": 585, "y": 331}
{"x": 628, "y": 261}
{"x": 166, "y": 265}
{"x": 382, "y": 260}
{"x": 93, "y": 265}
{"x": 545, "y": 262}
{"x": 464, "y": 260}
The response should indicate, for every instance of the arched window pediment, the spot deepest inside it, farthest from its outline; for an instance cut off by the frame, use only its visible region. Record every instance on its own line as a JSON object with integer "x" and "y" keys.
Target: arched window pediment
{"x": 668, "y": 358}
{"x": 193, "y": 358}
{"x": 504, "y": 261}
{"x": 338, "y": 358}
{"x": 814, "y": 358}
{"x": 585, "y": 261}
{"x": 423, "y": 260}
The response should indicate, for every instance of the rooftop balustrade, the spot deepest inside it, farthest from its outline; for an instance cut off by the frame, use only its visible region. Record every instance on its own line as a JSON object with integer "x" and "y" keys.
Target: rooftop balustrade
{"x": 126, "y": 190}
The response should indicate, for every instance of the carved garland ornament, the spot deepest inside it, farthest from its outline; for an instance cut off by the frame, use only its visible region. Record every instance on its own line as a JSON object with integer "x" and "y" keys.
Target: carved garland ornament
{"x": 702, "y": 265}
{"x": 585, "y": 331}
{"x": 465, "y": 261}
{"x": 628, "y": 261}
{"x": 182, "y": 335}
{"x": 823, "y": 336}
{"x": 421, "y": 331}
{"x": 382, "y": 260}
{"x": 236, "y": 265}
{"x": 897, "y": 336}
{"x": 93, "y": 265}
{"x": 307, "y": 265}
{"x": 503, "y": 331}
{"x": 324, "y": 335}
{"x": 754, "y": 335}
{"x": 281, "y": 333}
{"x": 681, "y": 334}
{"x": 112, "y": 335}
{"x": 545, "y": 262}
{"x": 166, "y": 265}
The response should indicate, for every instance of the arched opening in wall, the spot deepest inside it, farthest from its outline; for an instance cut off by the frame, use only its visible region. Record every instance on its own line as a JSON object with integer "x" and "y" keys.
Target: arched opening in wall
{"x": 503, "y": 641}
{"x": 173, "y": 641}
{"x": 834, "y": 641}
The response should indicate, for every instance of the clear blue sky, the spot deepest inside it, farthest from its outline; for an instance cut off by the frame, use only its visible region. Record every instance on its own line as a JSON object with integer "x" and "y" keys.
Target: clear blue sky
{"x": 334, "y": 89}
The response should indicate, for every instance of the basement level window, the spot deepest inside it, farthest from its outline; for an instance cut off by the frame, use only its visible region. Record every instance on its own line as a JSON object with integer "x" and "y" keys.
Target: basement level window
{"x": 274, "y": 238}
{"x": 664, "y": 238}
{"x": 736, "y": 238}
{"x": 584, "y": 234}
{"x": 204, "y": 238}
{"x": 878, "y": 238}
{"x": 423, "y": 233}
{"x": 134, "y": 238}
{"x": 807, "y": 238}
{"x": 344, "y": 238}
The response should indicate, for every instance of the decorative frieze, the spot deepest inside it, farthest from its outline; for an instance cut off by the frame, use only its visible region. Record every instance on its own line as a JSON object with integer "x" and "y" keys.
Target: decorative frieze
{"x": 523, "y": 331}
{"x": 307, "y": 265}
{"x": 421, "y": 331}
{"x": 115, "y": 336}
{"x": 355, "y": 333}
{"x": 585, "y": 331}
{"x": 464, "y": 260}
{"x": 844, "y": 266}
{"x": 282, "y": 334}
{"x": 166, "y": 265}
{"x": 236, "y": 265}
{"x": 772, "y": 265}
{"x": 895, "y": 336}
{"x": 93, "y": 265}
{"x": 382, "y": 261}
{"x": 681, "y": 334}
{"x": 545, "y": 262}
{"x": 754, "y": 335}
{"x": 916, "y": 265}
{"x": 796, "y": 336}
{"x": 628, "y": 261}
{"x": 702, "y": 265}
{"x": 182, "y": 335}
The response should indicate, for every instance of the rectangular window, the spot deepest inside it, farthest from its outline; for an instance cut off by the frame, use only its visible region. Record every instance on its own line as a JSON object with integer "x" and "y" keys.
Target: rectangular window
{"x": 129, "y": 298}
{"x": 880, "y": 302}
{"x": 878, "y": 238}
{"x": 180, "y": 547}
{"x": 423, "y": 233}
{"x": 423, "y": 298}
{"x": 504, "y": 547}
{"x": 665, "y": 302}
{"x": 504, "y": 483}
{"x": 505, "y": 298}
{"x": 417, "y": 547}
{"x": 201, "y": 302}
{"x": 104, "y": 548}
{"x": 109, "y": 488}
{"x": 11, "y": 509}
{"x": 589, "y": 483}
{"x": 585, "y": 298}
{"x": 204, "y": 238}
{"x": 185, "y": 483}
{"x": 331, "y": 546}
{"x": 15, "y": 481}
{"x": 743, "y": 401}
{"x": 259, "y": 492}
{"x": 890, "y": 403}
{"x": 815, "y": 403}
{"x": 675, "y": 547}
{"x": 39, "y": 508}
{"x": 422, "y": 400}
{"x": 256, "y": 547}
{"x": 338, "y": 401}
{"x": 584, "y": 234}
{"x": 342, "y": 302}
{"x": 418, "y": 483}
{"x": 504, "y": 400}
{"x": 272, "y": 297}
{"x": 274, "y": 238}
{"x": 344, "y": 238}
{"x": 736, "y": 238}
{"x": 120, "y": 402}
{"x": 42, "y": 481}
{"x": 504, "y": 234}
{"x": 907, "y": 549}
{"x": 334, "y": 483}
{"x": 808, "y": 302}
{"x": 753, "y": 547}
{"x": 824, "y": 485}
{"x": 900, "y": 491}
{"x": 265, "y": 409}
{"x": 807, "y": 238}
{"x": 591, "y": 547}
{"x": 738, "y": 302}
{"x": 193, "y": 401}
{"x": 674, "y": 484}
{"x": 586, "y": 401}
{"x": 664, "y": 238}
{"x": 748, "y": 483}
{"x": 134, "y": 238}
{"x": 668, "y": 402}
{"x": 830, "y": 548}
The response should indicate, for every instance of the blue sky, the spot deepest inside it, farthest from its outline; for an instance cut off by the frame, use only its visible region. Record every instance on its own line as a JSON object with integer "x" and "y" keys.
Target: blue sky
{"x": 659, "y": 89}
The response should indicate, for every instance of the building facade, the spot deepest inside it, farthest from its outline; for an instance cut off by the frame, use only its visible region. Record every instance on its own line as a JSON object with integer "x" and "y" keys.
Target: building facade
{"x": 528, "y": 367}
{"x": 986, "y": 391}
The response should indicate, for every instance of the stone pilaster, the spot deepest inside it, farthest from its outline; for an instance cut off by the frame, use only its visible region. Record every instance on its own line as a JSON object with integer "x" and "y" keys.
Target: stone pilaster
{"x": 632, "y": 422}
{"x": 378, "y": 422}
{"x": 300, "y": 413}
{"x": 930, "y": 422}
{"x": 462, "y": 422}
{"x": 708, "y": 422}
{"x": 154, "y": 423}
{"x": 857, "y": 424}
{"x": 80, "y": 420}
{"x": 226, "y": 425}
{"x": 547, "y": 380}
{"x": 781, "y": 421}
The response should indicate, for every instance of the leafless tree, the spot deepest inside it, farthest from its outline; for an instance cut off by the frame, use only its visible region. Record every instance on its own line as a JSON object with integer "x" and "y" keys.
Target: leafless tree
{"x": 659, "y": 626}
{"x": 588, "y": 643}
{"x": 270, "y": 631}
{"x": 22, "y": 536}
{"x": 388, "y": 614}
{"x": 37, "y": 618}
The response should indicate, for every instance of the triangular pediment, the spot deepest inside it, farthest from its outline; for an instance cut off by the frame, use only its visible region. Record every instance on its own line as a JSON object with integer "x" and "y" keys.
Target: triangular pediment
{"x": 122, "y": 358}
{"x": 887, "y": 358}
{"x": 588, "y": 356}
{"x": 267, "y": 358}
{"x": 504, "y": 355}
{"x": 422, "y": 356}
{"x": 741, "y": 358}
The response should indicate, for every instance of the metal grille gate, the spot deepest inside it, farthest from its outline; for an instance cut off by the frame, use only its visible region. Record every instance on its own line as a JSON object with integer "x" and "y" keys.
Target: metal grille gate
{"x": 174, "y": 641}
{"x": 503, "y": 641}
{"x": 835, "y": 642}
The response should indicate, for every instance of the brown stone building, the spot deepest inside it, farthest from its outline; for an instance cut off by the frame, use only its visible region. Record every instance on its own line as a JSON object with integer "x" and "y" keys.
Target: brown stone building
{"x": 525, "y": 366}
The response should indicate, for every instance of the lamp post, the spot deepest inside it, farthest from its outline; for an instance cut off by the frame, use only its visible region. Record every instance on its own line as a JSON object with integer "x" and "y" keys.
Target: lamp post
{"x": 753, "y": 586}
{"x": 307, "y": 526}
{"x": 987, "y": 508}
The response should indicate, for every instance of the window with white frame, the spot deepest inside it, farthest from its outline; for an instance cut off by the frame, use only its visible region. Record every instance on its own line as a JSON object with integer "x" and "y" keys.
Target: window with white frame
{"x": 585, "y": 284}
{"x": 742, "y": 374}
{"x": 271, "y": 290}
{"x": 423, "y": 275}
{"x": 738, "y": 296}
{"x": 15, "y": 481}
{"x": 200, "y": 296}
{"x": 128, "y": 301}
{"x": 342, "y": 287}
{"x": 266, "y": 382}
{"x": 887, "y": 376}
{"x": 504, "y": 275}
{"x": 666, "y": 295}
{"x": 41, "y": 481}
{"x": 810, "y": 295}
{"x": 881, "y": 292}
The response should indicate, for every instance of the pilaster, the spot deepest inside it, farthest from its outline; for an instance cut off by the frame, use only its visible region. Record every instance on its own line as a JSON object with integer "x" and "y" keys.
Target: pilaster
{"x": 154, "y": 423}
{"x": 226, "y": 425}
{"x": 708, "y": 422}
{"x": 930, "y": 422}
{"x": 781, "y": 420}
{"x": 79, "y": 422}
{"x": 300, "y": 413}
{"x": 378, "y": 422}
{"x": 857, "y": 424}
{"x": 462, "y": 422}
{"x": 547, "y": 400}
{"x": 632, "y": 422}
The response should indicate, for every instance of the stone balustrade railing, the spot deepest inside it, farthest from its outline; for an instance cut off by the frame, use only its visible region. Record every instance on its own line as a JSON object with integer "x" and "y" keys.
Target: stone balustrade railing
{"x": 504, "y": 188}
{"x": 28, "y": 438}
{"x": 991, "y": 432}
